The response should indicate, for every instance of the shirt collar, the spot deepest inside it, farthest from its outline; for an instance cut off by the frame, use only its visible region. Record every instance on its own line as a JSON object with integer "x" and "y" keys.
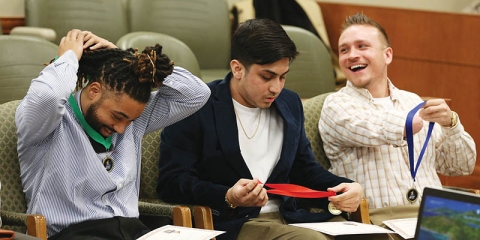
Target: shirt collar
{"x": 366, "y": 94}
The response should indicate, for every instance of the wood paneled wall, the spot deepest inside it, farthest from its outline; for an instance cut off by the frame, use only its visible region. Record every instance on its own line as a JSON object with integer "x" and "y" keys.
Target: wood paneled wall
{"x": 434, "y": 54}
{"x": 9, "y": 23}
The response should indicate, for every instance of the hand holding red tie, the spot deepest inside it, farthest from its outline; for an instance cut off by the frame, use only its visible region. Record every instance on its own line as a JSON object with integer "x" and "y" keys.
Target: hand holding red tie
{"x": 348, "y": 201}
{"x": 247, "y": 193}
{"x": 251, "y": 193}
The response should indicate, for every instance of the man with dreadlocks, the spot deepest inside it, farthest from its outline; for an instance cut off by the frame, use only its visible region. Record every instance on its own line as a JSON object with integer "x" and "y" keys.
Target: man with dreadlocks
{"x": 80, "y": 151}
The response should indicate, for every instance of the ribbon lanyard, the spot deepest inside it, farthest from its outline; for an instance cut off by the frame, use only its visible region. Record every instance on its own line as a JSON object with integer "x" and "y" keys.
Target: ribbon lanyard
{"x": 409, "y": 135}
{"x": 106, "y": 142}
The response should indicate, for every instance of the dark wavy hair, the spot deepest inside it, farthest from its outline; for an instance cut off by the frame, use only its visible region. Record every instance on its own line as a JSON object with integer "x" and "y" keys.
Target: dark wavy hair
{"x": 261, "y": 41}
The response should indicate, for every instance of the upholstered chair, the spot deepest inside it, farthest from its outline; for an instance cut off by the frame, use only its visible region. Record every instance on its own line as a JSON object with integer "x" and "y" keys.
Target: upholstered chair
{"x": 14, "y": 205}
{"x": 312, "y": 71}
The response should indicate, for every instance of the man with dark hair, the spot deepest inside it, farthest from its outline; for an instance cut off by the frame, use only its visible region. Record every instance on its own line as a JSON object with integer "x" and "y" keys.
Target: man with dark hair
{"x": 363, "y": 128}
{"x": 80, "y": 151}
{"x": 250, "y": 132}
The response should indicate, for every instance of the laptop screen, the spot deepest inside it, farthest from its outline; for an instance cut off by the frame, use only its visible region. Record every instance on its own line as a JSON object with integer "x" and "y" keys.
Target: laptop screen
{"x": 448, "y": 214}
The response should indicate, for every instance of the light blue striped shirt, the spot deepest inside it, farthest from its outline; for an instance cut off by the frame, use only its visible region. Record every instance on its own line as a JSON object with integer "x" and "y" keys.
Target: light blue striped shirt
{"x": 63, "y": 177}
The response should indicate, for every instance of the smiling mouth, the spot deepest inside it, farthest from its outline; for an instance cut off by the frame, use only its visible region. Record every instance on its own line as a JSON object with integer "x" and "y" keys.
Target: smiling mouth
{"x": 357, "y": 67}
{"x": 108, "y": 131}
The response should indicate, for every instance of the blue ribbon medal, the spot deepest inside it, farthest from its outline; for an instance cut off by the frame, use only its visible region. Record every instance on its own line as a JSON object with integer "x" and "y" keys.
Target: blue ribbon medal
{"x": 412, "y": 193}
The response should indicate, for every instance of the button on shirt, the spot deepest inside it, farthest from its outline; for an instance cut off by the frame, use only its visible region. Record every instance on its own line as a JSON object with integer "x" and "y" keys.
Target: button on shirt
{"x": 63, "y": 177}
{"x": 364, "y": 141}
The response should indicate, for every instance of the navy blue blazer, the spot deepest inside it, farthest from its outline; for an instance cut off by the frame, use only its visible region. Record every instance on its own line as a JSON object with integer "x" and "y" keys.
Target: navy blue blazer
{"x": 200, "y": 160}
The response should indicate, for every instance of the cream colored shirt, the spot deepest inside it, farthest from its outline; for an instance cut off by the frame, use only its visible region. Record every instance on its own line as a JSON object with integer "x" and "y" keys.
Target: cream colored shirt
{"x": 364, "y": 141}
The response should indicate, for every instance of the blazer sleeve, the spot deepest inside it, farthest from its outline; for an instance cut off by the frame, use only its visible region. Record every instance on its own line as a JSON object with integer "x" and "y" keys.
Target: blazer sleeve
{"x": 180, "y": 165}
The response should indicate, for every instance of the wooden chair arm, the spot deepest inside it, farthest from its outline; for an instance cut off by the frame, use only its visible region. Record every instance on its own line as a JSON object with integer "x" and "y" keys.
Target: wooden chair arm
{"x": 361, "y": 215}
{"x": 202, "y": 216}
{"x": 37, "y": 226}
{"x": 182, "y": 216}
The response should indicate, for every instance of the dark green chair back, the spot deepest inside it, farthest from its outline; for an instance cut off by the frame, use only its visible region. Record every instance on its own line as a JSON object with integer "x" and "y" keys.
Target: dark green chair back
{"x": 312, "y": 108}
{"x": 149, "y": 204}
{"x": 204, "y": 25}
{"x": 13, "y": 198}
{"x": 105, "y": 18}
{"x": 175, "y": 49}
{"x": 312, "y": 71}
{"x": 149, "y": 172}
{"x": 22, "y": 60}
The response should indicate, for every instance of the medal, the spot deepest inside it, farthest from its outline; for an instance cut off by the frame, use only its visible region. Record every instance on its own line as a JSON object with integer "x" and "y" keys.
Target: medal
{"x": 333, "y": 210}
{"x": 108, "y": 163}
{"x": 412, "y": 193}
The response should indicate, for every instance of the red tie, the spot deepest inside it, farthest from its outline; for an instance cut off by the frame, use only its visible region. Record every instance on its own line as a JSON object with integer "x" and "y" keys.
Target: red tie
{"x": 293, "y": 190}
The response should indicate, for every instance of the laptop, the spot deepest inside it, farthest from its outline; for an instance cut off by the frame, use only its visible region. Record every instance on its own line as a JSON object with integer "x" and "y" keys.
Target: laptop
{"x": 448, "y": 214}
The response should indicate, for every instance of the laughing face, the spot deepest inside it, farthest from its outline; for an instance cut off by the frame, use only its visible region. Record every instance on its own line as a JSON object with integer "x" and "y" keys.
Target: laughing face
{"x": 364, "y": 56}
{"x": 110, "y": 115}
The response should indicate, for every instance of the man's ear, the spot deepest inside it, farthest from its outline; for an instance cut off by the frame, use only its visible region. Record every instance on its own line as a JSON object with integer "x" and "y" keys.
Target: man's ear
{"x": 237, "y": 69}
{"x": 388, "y": 53}
{"x": 94, "y": 91}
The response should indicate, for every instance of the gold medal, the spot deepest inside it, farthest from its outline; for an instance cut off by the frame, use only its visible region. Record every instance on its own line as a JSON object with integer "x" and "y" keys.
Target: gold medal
{"x": 108, "y": 163}
{"x": 333, "y": 210}
{"x": 412, "y": 195}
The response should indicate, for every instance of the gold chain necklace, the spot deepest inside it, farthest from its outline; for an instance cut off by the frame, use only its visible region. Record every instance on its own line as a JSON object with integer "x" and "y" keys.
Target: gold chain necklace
{"x": 241, "y": 125}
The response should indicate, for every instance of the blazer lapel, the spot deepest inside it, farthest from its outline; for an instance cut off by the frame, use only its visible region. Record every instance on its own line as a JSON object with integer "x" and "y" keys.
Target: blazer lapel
{"x": 227, "y": 135}
{"x": 288, "y": 137}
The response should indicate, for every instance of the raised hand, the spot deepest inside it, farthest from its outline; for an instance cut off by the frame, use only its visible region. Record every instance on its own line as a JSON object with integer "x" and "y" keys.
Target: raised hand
{"x": 92, "y": 42}
{"x": 436, "y": 110}
{"x": 72, "y": 41}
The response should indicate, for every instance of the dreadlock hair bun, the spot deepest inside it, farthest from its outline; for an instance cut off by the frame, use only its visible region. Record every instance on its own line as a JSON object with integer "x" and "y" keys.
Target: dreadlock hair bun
{"x": 125, "y": 71}
{"x": 152, "y": 66}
